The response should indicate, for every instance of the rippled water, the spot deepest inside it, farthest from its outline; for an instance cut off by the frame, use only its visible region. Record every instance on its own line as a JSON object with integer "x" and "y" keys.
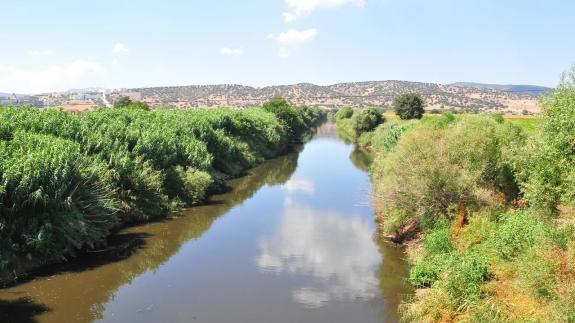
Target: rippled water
{"x": 291, "y": 242}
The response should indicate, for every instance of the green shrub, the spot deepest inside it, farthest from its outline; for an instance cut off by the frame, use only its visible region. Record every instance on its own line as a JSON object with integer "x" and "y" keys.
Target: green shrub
{"x": 426, "y": 272}
{"x": 54, "y": 199}
{"x": 386, "y": 137}
{"x": 366, "y": 120}
{"x": 438, "y": 249}
{"x": 344, "y": 113}
{"x": 438, "y": 241}
{"x": 441, "y": 121}
{"x": 289, "y": 117}
{"x": 516, "y": 232}
{"x": 465, "y": 277}
{"x": 189, "y": 185}
{"x": 548, "y": 165}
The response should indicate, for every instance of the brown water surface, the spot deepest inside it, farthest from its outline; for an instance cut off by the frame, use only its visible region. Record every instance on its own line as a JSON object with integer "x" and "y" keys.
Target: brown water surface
{"x": 291, "y": 242}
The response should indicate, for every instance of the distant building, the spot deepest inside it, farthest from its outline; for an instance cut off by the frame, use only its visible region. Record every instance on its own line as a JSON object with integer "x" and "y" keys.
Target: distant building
{"x": 85, "y": 96}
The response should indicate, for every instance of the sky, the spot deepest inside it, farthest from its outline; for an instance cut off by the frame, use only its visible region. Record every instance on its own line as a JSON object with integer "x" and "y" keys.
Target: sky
{"x": 57, "y": 45}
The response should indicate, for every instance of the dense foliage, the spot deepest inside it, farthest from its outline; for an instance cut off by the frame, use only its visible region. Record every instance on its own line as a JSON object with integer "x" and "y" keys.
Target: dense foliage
{"x": 126, "y": 102}
{"x": 409, "y": 106}
{"x": 68, "y": 179}
{"x": 366, "y": 120}
{"x": 344, "y": 113}
{"x": 353, "y": 126}
{"x": 489, "y": 204}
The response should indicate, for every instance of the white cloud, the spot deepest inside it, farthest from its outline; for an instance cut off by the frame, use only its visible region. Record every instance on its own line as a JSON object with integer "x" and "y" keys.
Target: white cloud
{"x": 289, "y": 17}
{"x": 115, "y": 61}
{"x": 79, "y": 73}
{"x": 293, "y": 36}
{"x": 305, "y": 7}
{"x": 231, "y": 51}
{"x": 40, "y": 52}
{"x": 120, "y": 48}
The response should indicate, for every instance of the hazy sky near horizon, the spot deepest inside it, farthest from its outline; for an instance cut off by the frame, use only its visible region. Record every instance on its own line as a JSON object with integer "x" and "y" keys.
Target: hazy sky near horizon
{"x": 56, "y": 45}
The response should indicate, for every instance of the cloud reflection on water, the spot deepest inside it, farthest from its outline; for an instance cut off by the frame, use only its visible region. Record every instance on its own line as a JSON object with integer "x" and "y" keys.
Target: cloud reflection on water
{"x": 299, "y": 185}
{"x": 336, "y": 251}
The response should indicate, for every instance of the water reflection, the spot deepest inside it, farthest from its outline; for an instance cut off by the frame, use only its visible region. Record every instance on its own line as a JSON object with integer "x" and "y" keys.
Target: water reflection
{"x": 299, "y": 185}
{"x": 361, "y": 158}
{"x": 337, "y": 250}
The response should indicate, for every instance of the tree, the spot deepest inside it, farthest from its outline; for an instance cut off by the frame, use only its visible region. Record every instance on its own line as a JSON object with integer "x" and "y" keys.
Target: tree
{"x": 126, "y": 102}
{"x": 409, "y": 106}
{"x": 366, "y": 120}
{"x": 290, "y": 118}
{"x": 276, "y": 103}
{"x": 344, "y": 113}
{"x": 123, "y": 102}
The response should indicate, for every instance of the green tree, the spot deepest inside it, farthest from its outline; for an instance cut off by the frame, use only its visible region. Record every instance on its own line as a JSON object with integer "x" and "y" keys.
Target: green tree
{"x": 290, "y": 118}
{"x": 276, "y": 103}
{"x": 409, "y": 106}
{"x": 126, "y": 102}
{"x": 344, "y": 113}
{"x": 123, "y": 102}
{"x": 366, "y": 120}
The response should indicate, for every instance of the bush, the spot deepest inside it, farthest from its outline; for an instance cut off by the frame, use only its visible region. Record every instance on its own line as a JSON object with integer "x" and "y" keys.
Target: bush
{"x": 438, "y": 249}
{"x": 465, "y": 278}
{"x": 366, "y": 120}
{"x": 125, "y": 102}
{"x": 387, "y": 136}
{"x": 190, "y": 185}
{"x": 54, "y": 199}
{"x": 291, "y": 120}
{"x": 344, "y": 113}
{"x": 548, "y": 169}
{"x": 433, "y": 169}
{"x": 409, "y": 106}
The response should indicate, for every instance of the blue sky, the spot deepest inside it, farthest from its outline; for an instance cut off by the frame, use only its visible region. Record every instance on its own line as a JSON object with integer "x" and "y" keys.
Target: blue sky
{"x": 57, "y": 45}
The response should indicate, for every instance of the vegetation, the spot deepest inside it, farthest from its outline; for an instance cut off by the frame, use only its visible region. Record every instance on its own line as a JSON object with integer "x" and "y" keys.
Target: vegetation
{"x": 68, "y": 180}
{"x": 126, "y": 102}
{"x": 344, "y": 113}
{"x": 351, "y": 126}
{"x": 366, "y": 120}
{"x": 489, "y": 207}
{"x": 409, "y": 106}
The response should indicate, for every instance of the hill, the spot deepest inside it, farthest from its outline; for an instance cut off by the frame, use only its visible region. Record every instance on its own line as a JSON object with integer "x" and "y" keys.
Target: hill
{"x": 469, "y": 97}
{"x": 531, "y": 89}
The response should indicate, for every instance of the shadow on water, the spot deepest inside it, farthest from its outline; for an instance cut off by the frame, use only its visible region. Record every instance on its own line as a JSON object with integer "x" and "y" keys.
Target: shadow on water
{"x": 20, "y": 310}
{"x": 94, "y": 277}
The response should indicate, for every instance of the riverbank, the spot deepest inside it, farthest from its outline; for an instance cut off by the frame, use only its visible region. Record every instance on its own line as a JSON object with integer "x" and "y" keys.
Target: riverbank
{"x": 485, "y": 206}
{"x": 69, "y": 180}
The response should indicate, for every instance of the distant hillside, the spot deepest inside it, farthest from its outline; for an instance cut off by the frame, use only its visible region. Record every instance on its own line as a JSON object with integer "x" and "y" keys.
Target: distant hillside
{"x": 531, "y": 89}
{"x": 469, "y": 97}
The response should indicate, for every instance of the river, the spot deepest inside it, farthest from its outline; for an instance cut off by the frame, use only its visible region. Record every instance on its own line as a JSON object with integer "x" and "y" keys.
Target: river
{"x": 293, "y": 241}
